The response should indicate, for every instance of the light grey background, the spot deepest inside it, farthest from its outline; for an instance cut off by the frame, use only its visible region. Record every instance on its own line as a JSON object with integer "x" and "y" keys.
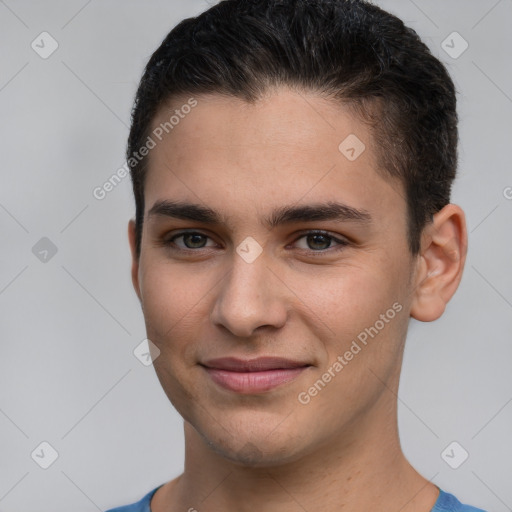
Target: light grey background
{"x": 68, "y": 375}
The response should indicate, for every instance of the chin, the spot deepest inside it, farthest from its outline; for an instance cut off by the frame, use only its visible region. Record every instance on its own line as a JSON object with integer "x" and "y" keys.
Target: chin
{"x": 255, "y": 450}
{"x": 258, "y": 456}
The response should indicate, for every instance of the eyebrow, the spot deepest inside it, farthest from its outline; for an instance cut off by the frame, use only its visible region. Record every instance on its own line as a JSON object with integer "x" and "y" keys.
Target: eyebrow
{"x": 283, "y": 215}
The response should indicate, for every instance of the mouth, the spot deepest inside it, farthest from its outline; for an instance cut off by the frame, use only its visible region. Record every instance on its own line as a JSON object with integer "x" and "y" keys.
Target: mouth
{"x": 254, "y": 375}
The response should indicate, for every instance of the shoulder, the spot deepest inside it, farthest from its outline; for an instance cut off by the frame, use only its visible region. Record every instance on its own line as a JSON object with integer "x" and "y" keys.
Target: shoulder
{"x": 447, "y": 502}
{"x": 140, "y": 506}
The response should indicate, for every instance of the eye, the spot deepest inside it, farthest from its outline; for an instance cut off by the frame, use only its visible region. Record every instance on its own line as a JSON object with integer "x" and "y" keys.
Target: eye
{"x": 320, "y": 241}
{"x": 315, "y": 241}
{"x": 191, "y": 239}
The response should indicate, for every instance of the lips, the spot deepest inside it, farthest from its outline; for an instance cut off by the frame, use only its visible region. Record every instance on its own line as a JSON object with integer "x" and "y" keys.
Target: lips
{"x": 253, "y": 365}
{"x": 254, "y": 375}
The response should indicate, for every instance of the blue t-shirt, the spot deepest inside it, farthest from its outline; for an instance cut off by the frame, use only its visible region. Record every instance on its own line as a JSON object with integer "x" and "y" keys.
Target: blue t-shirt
{"x": 445, "y": 502}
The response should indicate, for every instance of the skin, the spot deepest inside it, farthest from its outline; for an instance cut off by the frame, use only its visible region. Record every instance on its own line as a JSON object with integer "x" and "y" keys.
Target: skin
{"x": 267, "y": 451}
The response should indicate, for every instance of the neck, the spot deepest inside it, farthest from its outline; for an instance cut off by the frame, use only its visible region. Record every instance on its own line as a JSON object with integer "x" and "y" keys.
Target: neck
{"x": 361, "y": 468}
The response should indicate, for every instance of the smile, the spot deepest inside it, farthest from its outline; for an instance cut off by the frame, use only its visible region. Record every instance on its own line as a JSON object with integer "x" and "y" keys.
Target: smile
{"x": 254, "y": 376}
{"x": 251, "y": 382}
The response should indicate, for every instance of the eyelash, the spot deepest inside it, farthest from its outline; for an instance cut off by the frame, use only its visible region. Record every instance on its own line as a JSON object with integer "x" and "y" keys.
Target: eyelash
{"x": 341, "y": 243}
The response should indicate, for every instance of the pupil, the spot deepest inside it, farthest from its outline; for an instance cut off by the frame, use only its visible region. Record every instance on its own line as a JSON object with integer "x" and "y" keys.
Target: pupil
{"x": 193, "y": 235}
{"x": 321, "y": 237}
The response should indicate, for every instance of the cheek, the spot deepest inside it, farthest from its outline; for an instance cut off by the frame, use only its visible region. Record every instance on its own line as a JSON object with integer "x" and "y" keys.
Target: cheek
{"x": 171, "y": 301}
{"x": 348, "y": 300}
{"x": 364, "y": 348}
{"x": 174, "y": 310}
{"x": 352, "y": 328}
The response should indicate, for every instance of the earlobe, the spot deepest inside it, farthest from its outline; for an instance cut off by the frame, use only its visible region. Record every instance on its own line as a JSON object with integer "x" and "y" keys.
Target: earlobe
{"x": 442, "y": 259}
{"x": 135, "y": 258}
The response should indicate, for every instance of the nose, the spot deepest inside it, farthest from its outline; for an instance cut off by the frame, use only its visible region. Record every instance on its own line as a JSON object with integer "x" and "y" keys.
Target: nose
{"x": 251, "y": 296}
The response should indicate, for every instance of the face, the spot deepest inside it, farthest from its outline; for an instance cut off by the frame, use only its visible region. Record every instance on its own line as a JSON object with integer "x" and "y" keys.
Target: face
{"x": 272, "y": 272}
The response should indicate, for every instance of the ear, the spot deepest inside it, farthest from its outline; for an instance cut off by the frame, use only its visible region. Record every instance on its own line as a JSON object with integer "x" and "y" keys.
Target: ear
{"x": 442, "y": 256}
{"x": 135, "y": 258}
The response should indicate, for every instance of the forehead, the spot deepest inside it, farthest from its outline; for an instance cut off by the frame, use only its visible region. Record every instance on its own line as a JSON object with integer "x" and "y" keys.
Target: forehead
{"x": 283, "y": 118}
{"x": 289, "y": 146}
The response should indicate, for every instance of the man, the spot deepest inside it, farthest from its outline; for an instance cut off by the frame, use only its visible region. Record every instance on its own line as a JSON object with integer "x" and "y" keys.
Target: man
{"x": 292, "y": 162}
